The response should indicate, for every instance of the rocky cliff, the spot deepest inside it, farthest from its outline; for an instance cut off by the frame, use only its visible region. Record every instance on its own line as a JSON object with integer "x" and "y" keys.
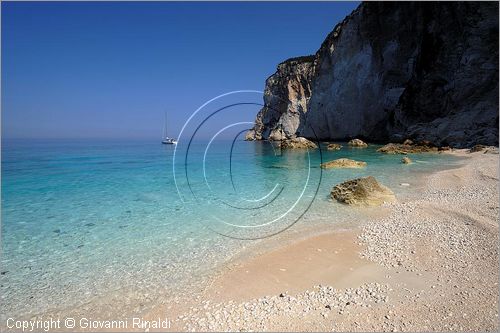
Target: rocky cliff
{"x": 391, "y": 71}
{"x": 286, "y": 97}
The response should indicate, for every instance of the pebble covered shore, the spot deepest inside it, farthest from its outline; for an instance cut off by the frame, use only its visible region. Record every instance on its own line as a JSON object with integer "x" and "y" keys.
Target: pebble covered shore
{"x": 447, "y": 240}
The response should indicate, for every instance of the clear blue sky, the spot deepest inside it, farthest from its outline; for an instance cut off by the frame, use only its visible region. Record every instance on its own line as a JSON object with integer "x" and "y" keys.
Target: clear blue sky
{"x": 78, "y": 70}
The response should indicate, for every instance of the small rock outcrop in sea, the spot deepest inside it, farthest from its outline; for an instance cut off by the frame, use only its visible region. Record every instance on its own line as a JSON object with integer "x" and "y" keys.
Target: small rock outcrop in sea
{"x": 250, "y": 135}
{"x": 362, "y": 191}
{"x": 343, "y": 163}
{"x": 406, "y": 160}
{"x": 393, "y": 70}
{"x": 333, "y": 146}
{"x": 357, "y": 143}
{"x": 398, "y": 148}
{"x": 298, "y": 143}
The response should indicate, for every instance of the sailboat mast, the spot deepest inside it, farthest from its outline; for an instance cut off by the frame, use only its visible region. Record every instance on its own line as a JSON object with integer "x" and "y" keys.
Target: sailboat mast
{"x": 165, "y": 134}
{"x": 166, "y": 140}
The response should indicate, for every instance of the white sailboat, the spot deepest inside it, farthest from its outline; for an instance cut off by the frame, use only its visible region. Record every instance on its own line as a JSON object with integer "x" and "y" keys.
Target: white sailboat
{"x": 166, "y": 140}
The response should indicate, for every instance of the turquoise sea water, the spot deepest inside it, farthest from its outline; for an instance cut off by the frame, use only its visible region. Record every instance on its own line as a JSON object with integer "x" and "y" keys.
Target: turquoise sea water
{"x": 84, "y": 218}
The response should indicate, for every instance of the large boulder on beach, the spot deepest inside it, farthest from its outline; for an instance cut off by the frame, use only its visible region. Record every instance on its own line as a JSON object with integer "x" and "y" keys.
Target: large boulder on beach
{"x": 298, "y": 143}
{"x": 333, "y": 146}
{"x": 362, "y": 191}
{"x": 357, "y": 143}
{"x": 343, "y": 163}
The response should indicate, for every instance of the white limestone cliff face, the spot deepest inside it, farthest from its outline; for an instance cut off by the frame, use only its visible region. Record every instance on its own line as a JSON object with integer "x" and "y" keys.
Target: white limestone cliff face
{"x": 391, "y": 71}
{"x": 286, "y": 97}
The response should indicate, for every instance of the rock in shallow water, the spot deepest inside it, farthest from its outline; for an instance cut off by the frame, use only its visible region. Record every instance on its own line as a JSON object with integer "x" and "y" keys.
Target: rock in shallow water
{"x": 406, "y": 160}
{"x": 397, "y": 148}
{"x": 357, "y": 143}
{"x": 333, "y": 146}
{"x": 250, "y": 135}
{"x": 343, "y": 163}
{"x": 362, "y": 191}
{"x": 298, "y": 143}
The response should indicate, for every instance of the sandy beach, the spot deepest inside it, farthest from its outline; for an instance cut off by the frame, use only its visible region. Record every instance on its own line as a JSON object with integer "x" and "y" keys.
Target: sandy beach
{"x": 425, "y": 264}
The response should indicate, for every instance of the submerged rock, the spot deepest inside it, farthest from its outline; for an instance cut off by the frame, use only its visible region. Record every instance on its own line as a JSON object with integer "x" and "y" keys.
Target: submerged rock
{"x": 298, "y": 143}
{"x": 333, "y": 146}
{"x": 362, "y": 191}
{"x": 398, "y": 148}
{"x": 343, "y": 163}
{"x": 406, "y": 160}
{"x": 357, "y": 143}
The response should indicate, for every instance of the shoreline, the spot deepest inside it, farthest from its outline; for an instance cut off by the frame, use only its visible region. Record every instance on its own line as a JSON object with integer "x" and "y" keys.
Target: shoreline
{"x": 341, "y": 258}
{"x": 373, "y": 254}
